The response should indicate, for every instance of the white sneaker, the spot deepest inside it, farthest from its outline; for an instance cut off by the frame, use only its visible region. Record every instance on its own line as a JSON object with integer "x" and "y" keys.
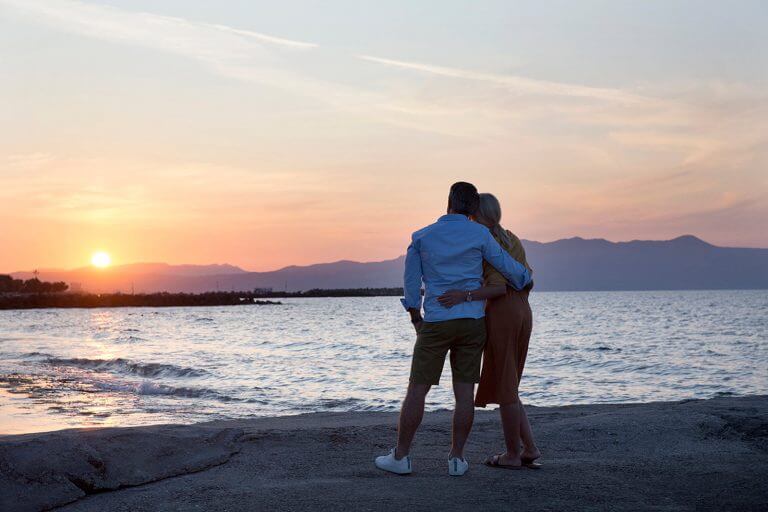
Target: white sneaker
{"x": 457, "y": 466}
{"x": 391, "y": 464}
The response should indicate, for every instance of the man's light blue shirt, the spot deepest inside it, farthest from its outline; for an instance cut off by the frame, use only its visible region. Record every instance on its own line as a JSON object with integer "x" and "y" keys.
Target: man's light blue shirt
{"x": 448, "y": 255}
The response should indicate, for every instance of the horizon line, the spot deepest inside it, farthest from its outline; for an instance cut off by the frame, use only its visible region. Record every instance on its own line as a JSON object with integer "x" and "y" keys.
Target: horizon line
{"x": 87, "y": 267}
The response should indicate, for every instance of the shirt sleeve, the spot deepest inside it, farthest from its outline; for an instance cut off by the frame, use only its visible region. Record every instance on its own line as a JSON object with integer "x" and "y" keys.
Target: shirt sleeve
{"x": 412, "y": 277}
{"x": 515, "y": 273}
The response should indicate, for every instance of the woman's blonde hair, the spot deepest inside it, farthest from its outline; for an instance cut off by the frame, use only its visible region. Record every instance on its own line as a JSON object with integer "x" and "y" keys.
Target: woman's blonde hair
{"x": 489, "y": 211}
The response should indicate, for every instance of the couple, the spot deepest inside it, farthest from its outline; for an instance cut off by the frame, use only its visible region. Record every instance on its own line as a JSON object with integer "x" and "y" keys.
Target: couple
{"x": 463, "y": 264}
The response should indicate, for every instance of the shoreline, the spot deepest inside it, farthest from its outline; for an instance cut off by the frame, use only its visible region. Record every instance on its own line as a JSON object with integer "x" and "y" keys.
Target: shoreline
{"x": 22, "y": 302}
{"x": 694, "y": 454}
{"x": 130, "y": 300}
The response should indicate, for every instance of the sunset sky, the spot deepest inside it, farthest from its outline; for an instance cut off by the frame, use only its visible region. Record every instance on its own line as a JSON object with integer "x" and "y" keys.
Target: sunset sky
{"x": 266, "y": 133}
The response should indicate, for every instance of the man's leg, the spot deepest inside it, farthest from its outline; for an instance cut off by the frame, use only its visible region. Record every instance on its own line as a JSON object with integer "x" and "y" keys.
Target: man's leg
{"x": 463, "y": 417}
{"x": 466, "y": 355}
{"x": 411, "y": 414}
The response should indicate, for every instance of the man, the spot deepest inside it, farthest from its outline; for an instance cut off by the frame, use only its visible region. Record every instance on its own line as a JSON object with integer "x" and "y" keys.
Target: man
{"x": 447, "y": 255}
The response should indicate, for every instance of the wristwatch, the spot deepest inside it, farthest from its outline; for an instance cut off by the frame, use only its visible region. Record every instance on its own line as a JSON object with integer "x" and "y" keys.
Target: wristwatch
{"x": 469, "y": 296}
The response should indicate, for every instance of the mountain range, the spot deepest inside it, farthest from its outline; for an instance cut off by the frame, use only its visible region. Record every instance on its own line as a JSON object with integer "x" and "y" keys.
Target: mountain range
{"x": 572, "y": 264}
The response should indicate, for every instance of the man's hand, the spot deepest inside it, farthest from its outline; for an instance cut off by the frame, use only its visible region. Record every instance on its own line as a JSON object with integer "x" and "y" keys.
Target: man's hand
{"x": 452, "y": 298}
{"x": 416, "y": 319}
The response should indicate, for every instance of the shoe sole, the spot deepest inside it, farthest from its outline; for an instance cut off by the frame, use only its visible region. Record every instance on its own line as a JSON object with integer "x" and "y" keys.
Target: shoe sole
{"x": 390, "y": 471}
{"x": 393, "y": 472}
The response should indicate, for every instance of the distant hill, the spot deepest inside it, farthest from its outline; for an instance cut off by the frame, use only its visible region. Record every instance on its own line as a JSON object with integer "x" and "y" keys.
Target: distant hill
{"x": 572, "y": 264}
{"x": 684, "y": 263}
{"x": 179, "y": 270}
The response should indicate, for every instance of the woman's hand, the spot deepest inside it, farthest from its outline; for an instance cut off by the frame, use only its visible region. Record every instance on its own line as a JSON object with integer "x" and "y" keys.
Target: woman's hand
{"x": 452, "y": 298}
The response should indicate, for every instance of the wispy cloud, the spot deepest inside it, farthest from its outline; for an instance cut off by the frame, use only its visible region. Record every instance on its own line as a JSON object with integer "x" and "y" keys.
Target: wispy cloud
{"x": 603, "y": 122}
{"x": 263, "y": 37}
{"x": 231, "y": 52}
{"x": 515, "y": 83}
{"x": 249, "y": 55}
{"x": 176, "y": 35}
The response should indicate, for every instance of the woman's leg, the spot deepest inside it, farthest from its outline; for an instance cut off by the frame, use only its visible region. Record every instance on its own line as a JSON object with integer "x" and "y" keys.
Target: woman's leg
{"x": 505, "y": 318}
{"x": 510, "y": 424}
{"x": 530, "y": 450}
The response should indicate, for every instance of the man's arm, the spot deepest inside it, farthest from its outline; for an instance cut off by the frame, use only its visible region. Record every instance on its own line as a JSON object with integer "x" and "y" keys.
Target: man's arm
{"x": 513, "y": 271}
{"x": 455, "y": 297}
{"x": 412, "y": 283}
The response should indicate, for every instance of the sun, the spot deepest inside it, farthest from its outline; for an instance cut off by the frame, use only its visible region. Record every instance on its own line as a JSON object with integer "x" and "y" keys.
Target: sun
{"x": 100, "y": 259}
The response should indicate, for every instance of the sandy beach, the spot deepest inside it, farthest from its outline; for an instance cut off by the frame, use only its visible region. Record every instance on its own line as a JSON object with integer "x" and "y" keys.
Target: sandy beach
{"x": 690, "y": 455}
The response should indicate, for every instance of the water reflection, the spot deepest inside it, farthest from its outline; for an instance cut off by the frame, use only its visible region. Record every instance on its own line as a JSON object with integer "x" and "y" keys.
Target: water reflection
{"x": 145, "y": 365}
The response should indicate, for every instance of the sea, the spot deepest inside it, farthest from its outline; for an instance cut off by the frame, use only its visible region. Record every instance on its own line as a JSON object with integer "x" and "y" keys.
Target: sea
{"x": 63, "y": 368}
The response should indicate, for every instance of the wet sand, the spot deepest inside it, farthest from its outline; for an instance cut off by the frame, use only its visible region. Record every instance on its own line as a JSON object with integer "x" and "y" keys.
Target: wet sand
{"x": 691, "y": 455}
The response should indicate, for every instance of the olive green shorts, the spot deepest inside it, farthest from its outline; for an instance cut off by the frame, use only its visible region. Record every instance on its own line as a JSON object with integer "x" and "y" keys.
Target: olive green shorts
{"x": 463, "y": 337}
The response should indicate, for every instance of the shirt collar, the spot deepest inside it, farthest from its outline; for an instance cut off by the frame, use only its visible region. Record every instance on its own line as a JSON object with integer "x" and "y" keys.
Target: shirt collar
{"x": 452, "y": 217}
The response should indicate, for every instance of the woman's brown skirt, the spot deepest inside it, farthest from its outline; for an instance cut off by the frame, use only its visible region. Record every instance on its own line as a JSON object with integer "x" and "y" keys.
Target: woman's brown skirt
{"x": 508, "y": 323}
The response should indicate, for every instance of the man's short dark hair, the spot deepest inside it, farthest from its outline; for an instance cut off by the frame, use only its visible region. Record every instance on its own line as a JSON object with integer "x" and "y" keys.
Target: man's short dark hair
{"x": 463, "y": 198}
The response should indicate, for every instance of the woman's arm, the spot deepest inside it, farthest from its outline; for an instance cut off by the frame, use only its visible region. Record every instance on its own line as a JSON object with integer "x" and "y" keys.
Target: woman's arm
{"x": 453, "y": 297}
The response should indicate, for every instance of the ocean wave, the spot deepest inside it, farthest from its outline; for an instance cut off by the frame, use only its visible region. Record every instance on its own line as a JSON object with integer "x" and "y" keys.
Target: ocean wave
{"x": 42, "y": 386}
{"x": 120, "y": 365}
{"x": 129, "y": 339}
{"x": 331, "y": 404}
{"x": 604, "y": 348}
{"x": 153, "y": 388}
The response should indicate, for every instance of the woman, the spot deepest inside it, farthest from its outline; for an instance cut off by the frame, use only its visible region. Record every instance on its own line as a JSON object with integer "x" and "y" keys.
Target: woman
{"x": 508, "y": 321}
